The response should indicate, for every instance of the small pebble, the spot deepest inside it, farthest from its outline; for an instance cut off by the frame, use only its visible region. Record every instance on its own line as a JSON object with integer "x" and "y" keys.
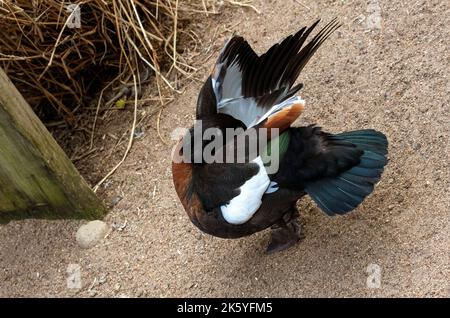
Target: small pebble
{"x": 115, "y": 200}
{"x": 119, "y": 226}
{"x": 88, "y": 235}
{"x": 423, "y": 107}
{"x": 138, "y": 133}
{"x": 102, "y": 279}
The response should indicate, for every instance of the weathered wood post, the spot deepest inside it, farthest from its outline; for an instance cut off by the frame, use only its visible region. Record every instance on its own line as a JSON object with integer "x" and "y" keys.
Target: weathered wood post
{"x": 37, "y": 180}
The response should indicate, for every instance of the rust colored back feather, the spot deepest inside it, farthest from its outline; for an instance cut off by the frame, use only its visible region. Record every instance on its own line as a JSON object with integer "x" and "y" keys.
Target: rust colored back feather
{"x": 182, "y": 178}
{"x": 284, "y": 118}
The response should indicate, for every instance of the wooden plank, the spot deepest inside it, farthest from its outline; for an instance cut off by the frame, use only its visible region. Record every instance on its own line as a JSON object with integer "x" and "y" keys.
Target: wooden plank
{"x": 37, "y": 180}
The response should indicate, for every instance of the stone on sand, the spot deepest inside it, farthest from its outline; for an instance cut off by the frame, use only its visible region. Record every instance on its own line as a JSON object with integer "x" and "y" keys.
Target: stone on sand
{"x": 89, "y": 234}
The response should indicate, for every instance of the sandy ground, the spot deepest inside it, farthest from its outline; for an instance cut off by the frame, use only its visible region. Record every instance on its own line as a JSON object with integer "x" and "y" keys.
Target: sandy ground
{"x": 386, "y": 68}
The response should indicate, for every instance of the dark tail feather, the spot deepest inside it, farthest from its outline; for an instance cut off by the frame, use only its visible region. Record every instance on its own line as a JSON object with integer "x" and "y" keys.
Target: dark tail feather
{"x": 345, "y": 192}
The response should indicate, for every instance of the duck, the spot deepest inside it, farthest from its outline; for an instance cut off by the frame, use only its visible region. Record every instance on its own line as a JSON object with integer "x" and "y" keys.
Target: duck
{"x": 231, "y": 195}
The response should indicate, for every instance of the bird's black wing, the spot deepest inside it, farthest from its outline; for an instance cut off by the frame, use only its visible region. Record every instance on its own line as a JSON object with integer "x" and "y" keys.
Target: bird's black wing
{"x": 241, "y": 72}
{"x": 246, "y": 85}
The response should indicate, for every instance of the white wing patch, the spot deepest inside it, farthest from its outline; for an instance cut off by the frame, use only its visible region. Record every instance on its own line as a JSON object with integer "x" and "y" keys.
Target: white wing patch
{"x": 248, "y": 111}
{"x": 231, "y": 85}
{"x": 243, "y": 109}
{"x": 273, "y": 187}
{"x": 242, "y": 207}
{"x": 276, "y": 108}
{"x": 230, "y": 100}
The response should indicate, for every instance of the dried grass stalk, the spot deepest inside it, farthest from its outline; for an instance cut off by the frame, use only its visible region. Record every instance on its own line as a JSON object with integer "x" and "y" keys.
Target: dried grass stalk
{"x": 59, "y": 64}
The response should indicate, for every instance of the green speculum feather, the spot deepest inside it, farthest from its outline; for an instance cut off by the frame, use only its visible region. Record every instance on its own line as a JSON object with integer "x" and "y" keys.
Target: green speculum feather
{"x": 281, "y": 143}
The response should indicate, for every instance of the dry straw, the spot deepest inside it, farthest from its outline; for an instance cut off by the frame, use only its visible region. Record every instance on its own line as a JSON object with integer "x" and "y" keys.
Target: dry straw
{"x": 59, "y": 62}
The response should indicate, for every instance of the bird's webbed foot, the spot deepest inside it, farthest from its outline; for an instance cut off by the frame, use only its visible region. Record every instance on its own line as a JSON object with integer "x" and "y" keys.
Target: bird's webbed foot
{"x": 285, "y": 233}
